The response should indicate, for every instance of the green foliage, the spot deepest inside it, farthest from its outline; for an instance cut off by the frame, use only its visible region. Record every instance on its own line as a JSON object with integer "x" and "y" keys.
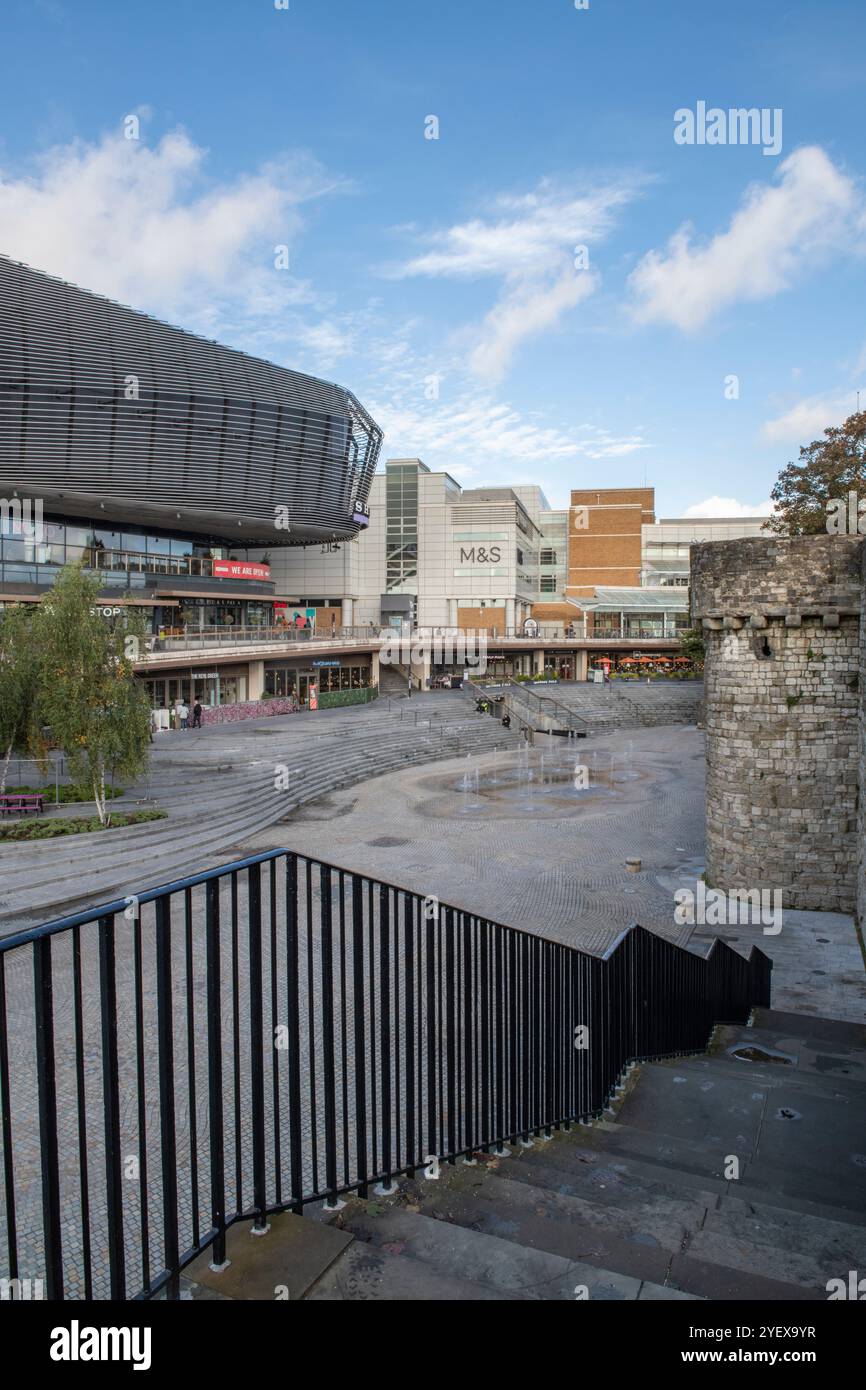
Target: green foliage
{"x": 39, "y": 829}
{"x": 828, "y": 470}
{"x": 19, "y": 683}
{"x": 692, "y": 644}
{"x": 87, "y": 696}
{"x": 68, "y": 794}
{"x": 336, "y": 699}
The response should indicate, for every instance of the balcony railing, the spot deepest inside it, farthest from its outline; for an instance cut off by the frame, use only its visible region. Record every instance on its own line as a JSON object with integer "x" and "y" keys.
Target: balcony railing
{"x": 279, "y": 1032}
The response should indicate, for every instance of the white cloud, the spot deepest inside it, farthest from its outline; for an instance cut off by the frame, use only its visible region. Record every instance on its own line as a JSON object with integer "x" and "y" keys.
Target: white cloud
{"x": 145, "y": 226}
{"x": 529, "y": 242}
{"x": 522, "y": 313}
{"x": 779, "y": 232}
{"x": 809, "y": 418}
{"x": 523, "y": 236}
{"x": 484, "y": 432}
{"x": 728, "y": 507}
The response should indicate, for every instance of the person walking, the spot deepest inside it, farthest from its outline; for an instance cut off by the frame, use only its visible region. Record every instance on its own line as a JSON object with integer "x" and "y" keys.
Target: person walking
{"x": 196, "y": 715}
{"x": 183, "y": 714}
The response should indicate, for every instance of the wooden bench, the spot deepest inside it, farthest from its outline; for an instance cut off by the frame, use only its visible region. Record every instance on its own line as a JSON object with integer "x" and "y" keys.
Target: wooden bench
{"x": 19, "y": 803}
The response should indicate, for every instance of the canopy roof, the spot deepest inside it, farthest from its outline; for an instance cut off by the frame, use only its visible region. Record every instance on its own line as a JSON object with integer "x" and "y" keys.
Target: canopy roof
{"x": 665, "y": 599}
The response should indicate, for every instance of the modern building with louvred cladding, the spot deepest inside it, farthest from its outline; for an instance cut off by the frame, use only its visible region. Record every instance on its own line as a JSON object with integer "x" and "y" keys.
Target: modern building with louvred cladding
{"x": 104, "y": 408}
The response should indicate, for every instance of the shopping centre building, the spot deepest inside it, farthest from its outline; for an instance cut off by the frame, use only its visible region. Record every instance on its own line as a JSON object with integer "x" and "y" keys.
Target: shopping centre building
{"x": 237, "y": 505}
{"x": 158, "y": 459}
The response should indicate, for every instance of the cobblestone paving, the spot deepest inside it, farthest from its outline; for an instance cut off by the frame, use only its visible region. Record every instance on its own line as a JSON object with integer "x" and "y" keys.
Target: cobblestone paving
{"x": 539, "y": 858}
{"x": 560, "y": 872}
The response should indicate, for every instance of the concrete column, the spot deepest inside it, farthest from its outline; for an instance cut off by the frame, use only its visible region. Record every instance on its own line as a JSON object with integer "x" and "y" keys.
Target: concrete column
{"x": 255, "y": 680}
{"x": 538, "y": 660}
{"x": 348, "y": 612}
{"x": 509, "y": 615}
{"x": 581, "y": 665}
{"x": 452, "y": 612}
{"x": 374, "y": 668}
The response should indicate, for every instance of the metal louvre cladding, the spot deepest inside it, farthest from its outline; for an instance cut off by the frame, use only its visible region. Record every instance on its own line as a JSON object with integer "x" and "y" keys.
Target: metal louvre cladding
{"x": 216, "y": 442}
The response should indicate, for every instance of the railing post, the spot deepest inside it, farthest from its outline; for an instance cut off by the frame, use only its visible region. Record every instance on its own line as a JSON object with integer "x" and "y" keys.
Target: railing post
{"x": 257, "y": 1044}
{"x": 215, "y": 1072}
{"x": 359, "y": 1005}
{"x": 385, "y": 1029}
{"x": 111, "y": 1108}
{"x": 293, "y": 1026}
{"x": 409, "y": 991}
{"x": 327, "y": 946}
{"x": 167, "y": 1123}
{"x": 47, "y": 1098}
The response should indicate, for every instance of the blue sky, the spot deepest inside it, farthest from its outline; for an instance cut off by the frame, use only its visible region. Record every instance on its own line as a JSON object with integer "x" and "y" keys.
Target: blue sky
{"x": 437, "y": 278}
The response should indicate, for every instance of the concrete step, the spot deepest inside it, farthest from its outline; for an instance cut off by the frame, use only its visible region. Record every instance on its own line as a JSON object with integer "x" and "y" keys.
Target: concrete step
{"x": 604, "y": 1178}
{"x": 810, "y": 1029}
{"x": 561, "y": 1225}
{"x": 786, "y": 1053}
{"x": 841, "y": 1076}
{"x": 719, "y": 1111}
{"x": 829, "y": 1244}
{"x": 365, "y": 1273}
{"x": 517, "y": 1270}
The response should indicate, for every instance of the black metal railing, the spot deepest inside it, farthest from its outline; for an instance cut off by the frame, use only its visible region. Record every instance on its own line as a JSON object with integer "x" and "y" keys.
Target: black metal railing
{"x": 281, "y": 1031}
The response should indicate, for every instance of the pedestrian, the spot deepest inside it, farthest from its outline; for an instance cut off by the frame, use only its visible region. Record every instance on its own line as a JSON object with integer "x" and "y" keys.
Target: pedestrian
{"x": 196, "y": 715}
{"x": 183, "y": 714}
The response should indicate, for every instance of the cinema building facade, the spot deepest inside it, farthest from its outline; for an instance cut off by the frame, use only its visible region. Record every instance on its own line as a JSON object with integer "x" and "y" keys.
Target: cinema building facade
{"x": 161, "y": 460}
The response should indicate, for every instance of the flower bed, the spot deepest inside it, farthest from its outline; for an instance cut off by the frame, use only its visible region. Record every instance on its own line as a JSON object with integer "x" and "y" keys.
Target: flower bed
{"x": 249, "y": 709}
{"x": 50, "y": 829}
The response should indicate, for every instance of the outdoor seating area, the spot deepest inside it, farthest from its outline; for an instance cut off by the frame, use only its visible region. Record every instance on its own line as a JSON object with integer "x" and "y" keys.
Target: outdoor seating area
{"x": 21, "y": 803}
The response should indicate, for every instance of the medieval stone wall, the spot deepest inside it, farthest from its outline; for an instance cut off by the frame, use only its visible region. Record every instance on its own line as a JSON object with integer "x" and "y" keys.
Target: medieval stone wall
{"x": 784, "y": 676}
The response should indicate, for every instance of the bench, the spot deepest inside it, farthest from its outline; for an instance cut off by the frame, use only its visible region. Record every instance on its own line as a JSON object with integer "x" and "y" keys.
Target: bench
{"x": 19, "y": 803}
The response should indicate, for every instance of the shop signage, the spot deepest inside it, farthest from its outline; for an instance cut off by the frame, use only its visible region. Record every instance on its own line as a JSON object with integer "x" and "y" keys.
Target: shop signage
{"x": 326, "y": 663}
{"x": 480, "y": 555}
{"x": 240, "y": 569}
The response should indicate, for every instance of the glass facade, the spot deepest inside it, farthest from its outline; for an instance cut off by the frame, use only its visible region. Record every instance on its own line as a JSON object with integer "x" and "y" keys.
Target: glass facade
{"x": 401, "y": 553}
{"x": 34, "y": 554}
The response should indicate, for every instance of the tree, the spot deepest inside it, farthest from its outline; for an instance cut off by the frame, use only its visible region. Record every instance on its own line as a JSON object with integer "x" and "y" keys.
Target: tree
{"x": 97, "y": 712}
{"x": 828, "y": 470}
{"x": 692, "y": 644}
{"x": 19, "y": 684}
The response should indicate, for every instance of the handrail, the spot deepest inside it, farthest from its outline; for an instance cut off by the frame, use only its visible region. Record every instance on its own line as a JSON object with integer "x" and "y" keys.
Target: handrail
{"x": 517, "y": 689}
{"x": 337, "y": 1029}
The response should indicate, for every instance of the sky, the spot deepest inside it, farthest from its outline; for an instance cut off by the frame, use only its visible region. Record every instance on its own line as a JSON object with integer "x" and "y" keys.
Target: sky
{"x": 490, "y": 219}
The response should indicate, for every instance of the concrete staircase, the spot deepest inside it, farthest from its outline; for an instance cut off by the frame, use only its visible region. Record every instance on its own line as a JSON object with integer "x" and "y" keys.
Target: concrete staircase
{"x": 632, "y": 705}
{"x": 640, "y": 1204}
{"x": 218, "y": 787}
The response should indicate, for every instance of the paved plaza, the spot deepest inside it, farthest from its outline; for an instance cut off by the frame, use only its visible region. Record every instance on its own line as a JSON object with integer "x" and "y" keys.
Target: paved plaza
{"x": 536, "y": 838}
{"x": 507, "y": 835}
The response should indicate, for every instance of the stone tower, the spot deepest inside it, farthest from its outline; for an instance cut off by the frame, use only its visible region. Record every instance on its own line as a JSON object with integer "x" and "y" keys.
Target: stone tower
{"x": 785, "y": 672}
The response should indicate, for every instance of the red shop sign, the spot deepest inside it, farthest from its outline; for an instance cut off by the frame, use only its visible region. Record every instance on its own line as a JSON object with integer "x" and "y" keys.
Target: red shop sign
{"x": 240, "y": 569}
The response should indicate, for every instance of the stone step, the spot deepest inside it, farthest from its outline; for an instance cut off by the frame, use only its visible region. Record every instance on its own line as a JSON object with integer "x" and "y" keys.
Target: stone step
{"x": 616, "y": 1134}
{"x": 517, "y": 1270}
{"x": 603, "y": 1179}
{"x": 364, "y": 1273}
{"x": 842, "y": 1076}
{"x": 828, "y": 1243}
{"x": 722, "y": 1110}
{"x": 784, "y": 1267}
{"x": 812, "y": 1056}
{"x": 811, "y": 1029}
{"x": 561, "y": 1225}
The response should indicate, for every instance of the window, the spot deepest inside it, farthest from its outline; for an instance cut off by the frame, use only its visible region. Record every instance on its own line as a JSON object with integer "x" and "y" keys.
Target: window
{"x": 547, "y": 557}
{"x": 548, "y": 583}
